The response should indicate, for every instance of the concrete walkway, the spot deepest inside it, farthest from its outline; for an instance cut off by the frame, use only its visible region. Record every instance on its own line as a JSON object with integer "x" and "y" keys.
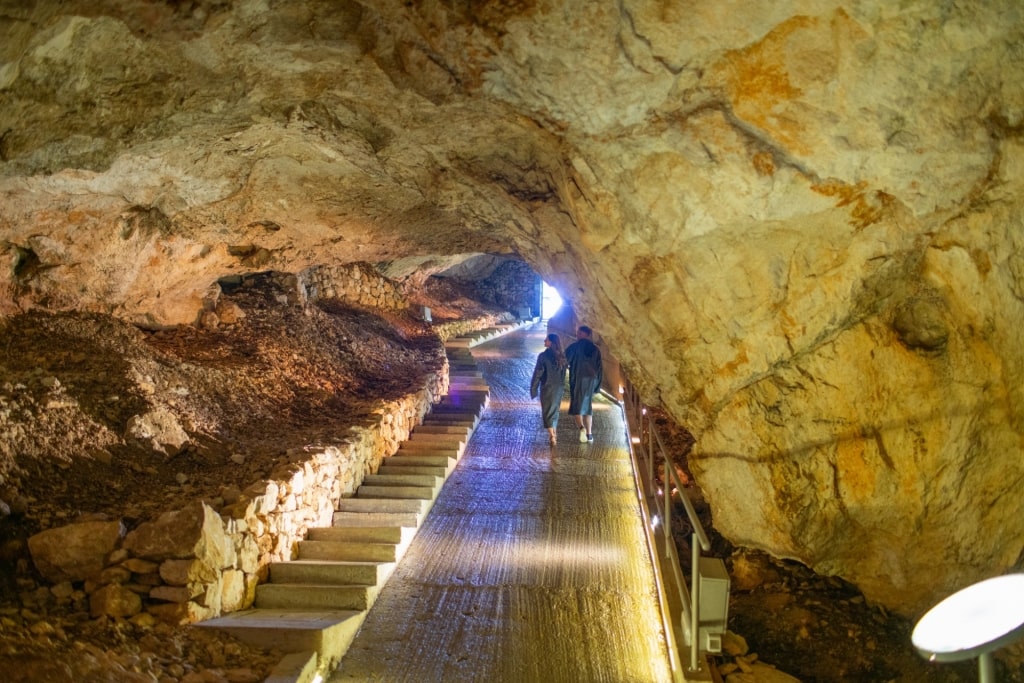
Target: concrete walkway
{"x": 532, "y": 564}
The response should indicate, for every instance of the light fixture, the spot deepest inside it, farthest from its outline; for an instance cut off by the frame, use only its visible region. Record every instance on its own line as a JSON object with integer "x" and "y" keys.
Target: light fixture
{"x": 654, "y": 522}
{"x": 973, "y": 622}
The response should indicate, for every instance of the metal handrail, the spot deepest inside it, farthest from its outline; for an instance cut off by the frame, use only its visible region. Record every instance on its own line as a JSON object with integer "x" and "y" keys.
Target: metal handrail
{"x": 637, "y": 415}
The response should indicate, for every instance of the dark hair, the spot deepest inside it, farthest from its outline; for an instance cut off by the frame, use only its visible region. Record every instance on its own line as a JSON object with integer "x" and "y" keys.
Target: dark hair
{"x": 585, "y": 330}
{"x": 556, "y": 347}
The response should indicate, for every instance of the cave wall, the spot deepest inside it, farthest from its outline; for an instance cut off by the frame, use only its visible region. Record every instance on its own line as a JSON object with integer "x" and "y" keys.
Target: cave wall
{"x": 797, "y": 224}
{"x": 507, "y": 283}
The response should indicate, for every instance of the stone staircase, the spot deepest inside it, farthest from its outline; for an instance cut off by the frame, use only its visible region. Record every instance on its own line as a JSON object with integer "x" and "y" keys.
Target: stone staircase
{"x": 312, "y": 606}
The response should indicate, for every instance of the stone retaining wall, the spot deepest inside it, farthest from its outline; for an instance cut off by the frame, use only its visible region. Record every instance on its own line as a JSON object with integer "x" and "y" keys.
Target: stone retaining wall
{"x": 358, "y": 283}
{"x": 454, "y": 328}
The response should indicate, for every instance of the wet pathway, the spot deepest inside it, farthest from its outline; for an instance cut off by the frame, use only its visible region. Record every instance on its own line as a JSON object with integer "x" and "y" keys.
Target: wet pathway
{"x": 532, "y": 564}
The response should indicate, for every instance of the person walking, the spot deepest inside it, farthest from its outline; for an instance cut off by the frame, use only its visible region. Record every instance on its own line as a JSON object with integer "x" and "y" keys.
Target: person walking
{"x": 549, "y": 382}
{"x": 584, "y": 380}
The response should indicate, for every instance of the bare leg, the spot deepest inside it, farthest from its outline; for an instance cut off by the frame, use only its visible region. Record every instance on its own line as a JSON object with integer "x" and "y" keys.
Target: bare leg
{"x": 588, "y": 422}
{"x": 551, "y": 435}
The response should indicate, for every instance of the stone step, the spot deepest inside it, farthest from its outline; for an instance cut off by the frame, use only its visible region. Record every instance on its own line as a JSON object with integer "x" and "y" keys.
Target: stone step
{"x": 461, "y": 366}
{"x": 465, "y": 411}
{"x": 383, "y": 505}
{"x": 441, "y": 472}
{"x": 297, "y": 667}
{"x": 442, "y": 438}
{"x": 456, "y": 442}
{"x": 404, "y": 452}
{"x": 325, "y": 572}
{"x": 419, "y": 459}
{"x": 460, "y": 430}
{"x": 326, "y": 632}
{"x": 456, "y": 394}
{"x": 431, "y": 447}
{"x": 381, "y": 533}
{"x": 482, "y": 389}
{"x": 361, "y": 519}
{"x": 350, "y": 551}
{"x": 463, "y": 384}
{"x": 299, "y": 596}
{"x": 469, "y": 401}
{"x": 470, "y": 421}
{"x": 466, "y": 375}
{"x": 404, "y": 479}
{"x": 400, "y": 492}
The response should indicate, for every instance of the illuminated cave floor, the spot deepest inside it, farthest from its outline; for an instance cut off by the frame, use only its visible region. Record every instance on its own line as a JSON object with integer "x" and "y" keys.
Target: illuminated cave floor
{"x": 532, "y": 564}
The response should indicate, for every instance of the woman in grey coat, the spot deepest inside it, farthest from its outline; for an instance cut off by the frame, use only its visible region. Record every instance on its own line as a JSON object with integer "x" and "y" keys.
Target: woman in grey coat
{"x": 549, "y": 381}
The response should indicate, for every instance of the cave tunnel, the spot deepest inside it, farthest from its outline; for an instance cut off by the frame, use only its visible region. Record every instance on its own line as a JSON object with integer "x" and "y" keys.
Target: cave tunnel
{"x": 796, "y": 228}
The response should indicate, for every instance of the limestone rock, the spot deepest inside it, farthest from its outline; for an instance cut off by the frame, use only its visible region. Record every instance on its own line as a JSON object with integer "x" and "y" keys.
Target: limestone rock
{"x": 114, "y": 600}
{"x": 193, "y": 532}
{"x": 159, "y": 427}
{"x": 74, "y": 552}
{"x": 184, "y": 572}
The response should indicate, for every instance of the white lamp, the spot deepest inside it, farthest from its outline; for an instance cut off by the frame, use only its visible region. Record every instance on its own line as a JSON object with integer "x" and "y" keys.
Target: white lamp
{"x": 973, "y": 622}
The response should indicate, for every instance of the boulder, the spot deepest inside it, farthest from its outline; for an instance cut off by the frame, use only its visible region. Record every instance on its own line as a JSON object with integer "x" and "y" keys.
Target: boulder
{"x": 74, "y": 552}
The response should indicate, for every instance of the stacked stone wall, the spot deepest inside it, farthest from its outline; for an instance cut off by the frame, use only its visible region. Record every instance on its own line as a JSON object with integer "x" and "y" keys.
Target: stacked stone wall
{"x": 454, "y": 328}
{"x": 358, "y": 283}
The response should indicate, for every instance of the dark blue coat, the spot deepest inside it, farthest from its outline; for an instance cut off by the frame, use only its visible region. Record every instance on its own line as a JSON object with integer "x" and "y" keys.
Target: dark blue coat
{"x": 584, "y": 375}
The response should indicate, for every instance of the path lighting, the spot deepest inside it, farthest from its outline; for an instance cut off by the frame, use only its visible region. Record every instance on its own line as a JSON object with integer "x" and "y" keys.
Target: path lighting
{"x": 973, "y": 622}
{"x": 655, "y": 521}
{"x": 622, "y": 389}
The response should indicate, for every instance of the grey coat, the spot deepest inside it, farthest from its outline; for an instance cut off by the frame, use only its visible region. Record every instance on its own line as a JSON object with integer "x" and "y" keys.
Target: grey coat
{"x": 549, "y": 381}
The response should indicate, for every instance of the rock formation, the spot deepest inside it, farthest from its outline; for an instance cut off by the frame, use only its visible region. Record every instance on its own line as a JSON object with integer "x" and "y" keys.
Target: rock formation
{"x": 797, "y": 224}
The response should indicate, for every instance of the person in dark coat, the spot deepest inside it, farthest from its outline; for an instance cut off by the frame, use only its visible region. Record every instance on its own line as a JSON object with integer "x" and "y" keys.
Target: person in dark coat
{"x": 549, "y": 382}
{"x": 584, "y": 380}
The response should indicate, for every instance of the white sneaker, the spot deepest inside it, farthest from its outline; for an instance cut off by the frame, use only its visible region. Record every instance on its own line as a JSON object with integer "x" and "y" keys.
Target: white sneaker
{"x": 583, "y": 435}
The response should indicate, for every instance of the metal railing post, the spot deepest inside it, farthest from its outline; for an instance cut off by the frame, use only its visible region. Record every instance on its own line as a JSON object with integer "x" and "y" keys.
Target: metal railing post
{"x": 694, "y": 602}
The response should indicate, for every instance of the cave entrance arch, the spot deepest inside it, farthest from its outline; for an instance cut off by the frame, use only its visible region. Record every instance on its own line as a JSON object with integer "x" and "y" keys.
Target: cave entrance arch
{"x": 550, "y": 301}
